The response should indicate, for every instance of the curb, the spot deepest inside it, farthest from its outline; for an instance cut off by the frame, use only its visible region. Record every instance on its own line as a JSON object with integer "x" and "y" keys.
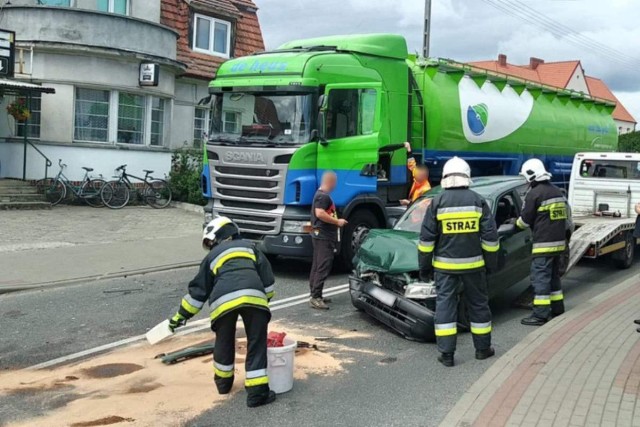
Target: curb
{"x": 478, "y": 396}
{"x": 188, "y": 207}
{"x": 96, "y": 277}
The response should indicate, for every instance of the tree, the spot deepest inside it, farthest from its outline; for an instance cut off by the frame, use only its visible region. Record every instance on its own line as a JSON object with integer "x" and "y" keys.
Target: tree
{"x": 629, "y": 142}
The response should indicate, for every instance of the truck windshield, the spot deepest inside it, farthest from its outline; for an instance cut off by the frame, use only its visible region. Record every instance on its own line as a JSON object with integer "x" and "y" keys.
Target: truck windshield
{"x": 261, "y": 118}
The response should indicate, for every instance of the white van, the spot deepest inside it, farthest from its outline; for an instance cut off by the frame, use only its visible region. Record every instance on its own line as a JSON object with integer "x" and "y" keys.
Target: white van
{"x": 603, "y": 191}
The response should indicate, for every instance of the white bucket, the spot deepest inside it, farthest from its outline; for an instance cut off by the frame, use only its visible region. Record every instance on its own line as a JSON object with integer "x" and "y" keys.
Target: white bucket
{"x": 280, "y": 366}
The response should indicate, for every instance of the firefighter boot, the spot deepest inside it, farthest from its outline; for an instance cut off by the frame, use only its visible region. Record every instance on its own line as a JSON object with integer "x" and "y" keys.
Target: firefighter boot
{"x": 533, "y": 321}
{"x": 446, "y": 359}
{"x": 259, "y": 396}
{"x": 485, "y": 354}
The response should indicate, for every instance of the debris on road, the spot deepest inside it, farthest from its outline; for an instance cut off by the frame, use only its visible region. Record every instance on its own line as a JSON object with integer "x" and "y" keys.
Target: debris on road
{"x": 123, "y": 291}
{"x": 162, "y": 395}
{"x": 186, "y": 354}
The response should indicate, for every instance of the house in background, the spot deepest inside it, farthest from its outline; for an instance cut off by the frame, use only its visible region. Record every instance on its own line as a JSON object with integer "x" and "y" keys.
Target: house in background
{"x": 128, "y": 78}
{"x": 565, "y": 75}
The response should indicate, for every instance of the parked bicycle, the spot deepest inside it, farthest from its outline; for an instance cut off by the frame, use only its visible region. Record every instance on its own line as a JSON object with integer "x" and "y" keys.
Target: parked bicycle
{"x": 56, "y": 189}
{"x": 155, "y": 192}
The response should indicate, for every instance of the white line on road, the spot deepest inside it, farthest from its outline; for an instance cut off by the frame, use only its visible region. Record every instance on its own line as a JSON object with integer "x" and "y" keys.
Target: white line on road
{"x": 196, "y": 326}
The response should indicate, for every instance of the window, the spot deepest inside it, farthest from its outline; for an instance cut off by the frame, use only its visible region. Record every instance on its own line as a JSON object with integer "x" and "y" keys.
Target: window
{"x": 66, "y": 3}
{"x": 92, "y": 115}
{"x": 113, "y": 6}
{"x": 200, "y": 125}
{"x": 33, "y": 126}
{"x": 211, "y": 36}
{"x": 157, "y": 121}
{"x": 351, "y": 112}
{"x": 611, "y": 169}
{"x": 119, "y": 117}
{"x": 230, "y": 122}
{"x": 131, "y": 112}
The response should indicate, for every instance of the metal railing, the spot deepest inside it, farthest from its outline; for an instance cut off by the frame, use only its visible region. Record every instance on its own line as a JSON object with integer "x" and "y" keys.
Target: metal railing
{"x": 47, "y": 162}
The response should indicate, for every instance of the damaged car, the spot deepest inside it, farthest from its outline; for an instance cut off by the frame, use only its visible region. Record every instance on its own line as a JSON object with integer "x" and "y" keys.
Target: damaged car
{"x": 385, "y": 282}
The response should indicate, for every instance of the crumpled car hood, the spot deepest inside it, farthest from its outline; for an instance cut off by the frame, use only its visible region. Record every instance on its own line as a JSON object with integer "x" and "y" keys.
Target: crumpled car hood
{"x": 388, "y": 251}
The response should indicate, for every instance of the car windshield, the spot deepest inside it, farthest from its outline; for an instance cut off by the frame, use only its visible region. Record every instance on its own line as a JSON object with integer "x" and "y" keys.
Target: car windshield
{"x": 412, "y": 218}
{"x": 262, "y": 118}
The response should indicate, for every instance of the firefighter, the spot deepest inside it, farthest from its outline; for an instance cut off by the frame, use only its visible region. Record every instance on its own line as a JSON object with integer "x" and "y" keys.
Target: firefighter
{"x": 237, "y": 280}
{"x": 458, "y": 241}
{"x": 547, "y": 213}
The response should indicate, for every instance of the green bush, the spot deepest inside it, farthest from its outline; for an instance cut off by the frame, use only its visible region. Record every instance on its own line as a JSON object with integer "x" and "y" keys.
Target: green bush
{"x": 629, "y": 142}
{"x": 186, "y": 167}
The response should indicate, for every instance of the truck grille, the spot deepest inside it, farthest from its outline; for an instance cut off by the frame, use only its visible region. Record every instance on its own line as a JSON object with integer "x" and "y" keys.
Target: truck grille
{"x": 248, "y": 186}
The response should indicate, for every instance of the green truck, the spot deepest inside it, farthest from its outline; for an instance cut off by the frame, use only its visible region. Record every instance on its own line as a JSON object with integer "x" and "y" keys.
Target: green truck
{"x": 347, "y": 104}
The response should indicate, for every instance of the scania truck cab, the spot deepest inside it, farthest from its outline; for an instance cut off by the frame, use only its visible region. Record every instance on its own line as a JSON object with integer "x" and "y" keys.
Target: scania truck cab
{"x": 281, "y": 119}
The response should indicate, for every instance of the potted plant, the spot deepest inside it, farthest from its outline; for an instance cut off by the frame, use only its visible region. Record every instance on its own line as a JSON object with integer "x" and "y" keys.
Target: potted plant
{"x": 18, "y": 110}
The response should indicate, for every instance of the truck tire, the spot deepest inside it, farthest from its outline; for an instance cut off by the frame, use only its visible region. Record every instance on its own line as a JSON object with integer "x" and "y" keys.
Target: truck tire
{"x": 359, "y": 224}
{"x": 623, "y": 258}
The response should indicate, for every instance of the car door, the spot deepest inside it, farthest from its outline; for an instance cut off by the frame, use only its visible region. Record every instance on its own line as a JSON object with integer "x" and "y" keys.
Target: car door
{"x": 515, "y": 248}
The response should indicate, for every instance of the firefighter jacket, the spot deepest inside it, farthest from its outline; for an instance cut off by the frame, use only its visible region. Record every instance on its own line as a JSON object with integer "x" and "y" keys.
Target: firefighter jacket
{"x": 547, "y": 213}
{"x": 458, "y": 234}
{"x": 234, "y": 274}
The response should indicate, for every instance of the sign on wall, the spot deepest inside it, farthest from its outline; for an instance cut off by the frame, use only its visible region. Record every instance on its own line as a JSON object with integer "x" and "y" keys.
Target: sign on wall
{"x": 149, "y": 74}
{"x": 7, "y": 53}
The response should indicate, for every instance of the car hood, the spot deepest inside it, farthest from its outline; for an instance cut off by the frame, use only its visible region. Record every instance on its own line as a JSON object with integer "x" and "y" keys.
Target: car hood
{"x": 389, "y": 251}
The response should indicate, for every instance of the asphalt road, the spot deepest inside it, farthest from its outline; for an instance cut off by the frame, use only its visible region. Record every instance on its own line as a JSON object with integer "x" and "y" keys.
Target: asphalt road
{"x": 387, "y": 380}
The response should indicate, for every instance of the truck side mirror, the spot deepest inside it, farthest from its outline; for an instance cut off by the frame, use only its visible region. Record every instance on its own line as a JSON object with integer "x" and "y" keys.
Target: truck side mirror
{"x": 322, "y": 121}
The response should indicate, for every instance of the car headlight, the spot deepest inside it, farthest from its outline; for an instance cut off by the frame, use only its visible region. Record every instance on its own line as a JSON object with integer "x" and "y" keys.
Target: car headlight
{"x": 420, "y": 290}
{"x": 296, "y": 226}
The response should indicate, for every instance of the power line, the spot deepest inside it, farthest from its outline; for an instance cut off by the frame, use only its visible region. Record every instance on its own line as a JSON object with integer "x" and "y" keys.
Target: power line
{"x": 536, "y": 19}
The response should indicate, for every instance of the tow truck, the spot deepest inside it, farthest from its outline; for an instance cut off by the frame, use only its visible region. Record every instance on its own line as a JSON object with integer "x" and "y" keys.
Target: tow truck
{"x": 603, "y": 191}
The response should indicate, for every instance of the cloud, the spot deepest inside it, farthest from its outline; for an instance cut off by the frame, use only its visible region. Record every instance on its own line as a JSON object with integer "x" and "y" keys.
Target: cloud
{"x": 468, "y": 30}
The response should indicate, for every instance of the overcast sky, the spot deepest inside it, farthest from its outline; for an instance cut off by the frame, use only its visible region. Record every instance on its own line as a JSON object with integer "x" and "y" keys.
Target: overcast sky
{"x": 468, "y": 30}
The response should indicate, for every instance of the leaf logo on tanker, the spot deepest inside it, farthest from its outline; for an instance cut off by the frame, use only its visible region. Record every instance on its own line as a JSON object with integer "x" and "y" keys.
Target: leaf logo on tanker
{"x": 509, "y": 111}
{"x": 477, "y": 117}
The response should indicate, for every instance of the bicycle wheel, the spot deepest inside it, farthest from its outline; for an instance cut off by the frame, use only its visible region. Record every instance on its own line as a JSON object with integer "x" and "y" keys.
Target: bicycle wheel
{"x": 91, "y": 191}
{"x": 44, "y": 184}
{"x": 115, "y": 194}
{"x": 157, "y": 193}
{"x": 55, "y": 192}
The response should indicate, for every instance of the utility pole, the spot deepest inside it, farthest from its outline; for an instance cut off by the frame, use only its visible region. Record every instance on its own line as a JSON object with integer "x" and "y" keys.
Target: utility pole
{"x": 427, "y": 28}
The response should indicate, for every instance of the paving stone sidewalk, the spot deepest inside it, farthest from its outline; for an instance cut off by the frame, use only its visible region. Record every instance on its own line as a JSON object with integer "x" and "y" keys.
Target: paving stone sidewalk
{"x": 581, "y": 369}
{"x": 73, "y": 243}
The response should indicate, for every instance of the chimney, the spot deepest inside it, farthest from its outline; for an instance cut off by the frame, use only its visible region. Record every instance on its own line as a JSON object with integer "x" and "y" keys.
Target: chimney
{"x": 534, "y": 62}
{"x": 502, "y": 60}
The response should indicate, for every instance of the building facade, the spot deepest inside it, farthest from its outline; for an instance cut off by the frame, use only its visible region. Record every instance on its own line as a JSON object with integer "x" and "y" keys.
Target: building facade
{"x": 129, "y": 77}
{"x": 564, "y": 75}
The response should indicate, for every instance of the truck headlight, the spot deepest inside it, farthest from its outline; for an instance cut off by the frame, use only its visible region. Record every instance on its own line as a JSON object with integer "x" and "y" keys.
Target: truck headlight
{"x": 420, "y": 290}
{"x": 296, "y": 226}
{"x": 208, "y": 217}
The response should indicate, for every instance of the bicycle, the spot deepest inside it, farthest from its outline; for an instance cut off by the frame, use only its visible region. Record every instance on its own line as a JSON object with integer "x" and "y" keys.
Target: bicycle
{"x": 55, "y": 189}
{"x": 116, "y": 194}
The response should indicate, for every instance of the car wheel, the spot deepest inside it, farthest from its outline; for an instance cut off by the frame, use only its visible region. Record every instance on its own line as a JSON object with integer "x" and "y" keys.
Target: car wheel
{"x": 357, "y": 229}
{"x": 623, "y": 258}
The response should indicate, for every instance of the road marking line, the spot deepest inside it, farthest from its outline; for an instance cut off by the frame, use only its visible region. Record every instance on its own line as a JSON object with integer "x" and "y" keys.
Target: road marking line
{"x": 196, "y": 326}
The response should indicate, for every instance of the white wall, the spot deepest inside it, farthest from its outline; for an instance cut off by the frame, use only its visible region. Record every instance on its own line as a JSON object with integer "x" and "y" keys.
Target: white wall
{"x": 187, "y": 95}
{"x": 625, "y": 127}
{"x": 577, "y": 81}
{"x": 104, "y": 161}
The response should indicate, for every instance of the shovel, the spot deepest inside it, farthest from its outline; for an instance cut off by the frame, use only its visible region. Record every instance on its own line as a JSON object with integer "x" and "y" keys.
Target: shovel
{"x": 159, "y": 332}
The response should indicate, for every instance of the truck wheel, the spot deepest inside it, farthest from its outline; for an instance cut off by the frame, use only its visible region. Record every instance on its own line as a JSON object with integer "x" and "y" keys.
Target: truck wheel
{"x": 623, "y": 258}
{"x": 357, "y": 229}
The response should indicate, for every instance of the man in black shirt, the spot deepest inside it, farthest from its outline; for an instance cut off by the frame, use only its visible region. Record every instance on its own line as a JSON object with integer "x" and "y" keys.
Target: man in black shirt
{"x": 325, "y": 237}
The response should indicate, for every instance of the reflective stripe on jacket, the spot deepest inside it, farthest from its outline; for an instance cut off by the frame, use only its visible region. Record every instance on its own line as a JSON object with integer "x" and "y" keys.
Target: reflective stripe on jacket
{"x": 458, "y": 233}
{"x": 233, "y": 275}
{"x": 548, "y": 214}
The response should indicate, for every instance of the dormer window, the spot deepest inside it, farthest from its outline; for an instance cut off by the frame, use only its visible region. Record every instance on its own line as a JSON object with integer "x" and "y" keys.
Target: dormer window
{"x": 211, "y": 36}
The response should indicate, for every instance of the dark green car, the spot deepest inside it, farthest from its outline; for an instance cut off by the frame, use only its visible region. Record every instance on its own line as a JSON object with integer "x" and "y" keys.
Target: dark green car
{"x": 385, "y": 282}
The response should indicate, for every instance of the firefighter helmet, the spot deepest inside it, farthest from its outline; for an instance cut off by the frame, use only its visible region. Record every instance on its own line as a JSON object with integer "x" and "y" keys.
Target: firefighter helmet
{"x": 456, "y": 173}
{"x": 534, "y": 170}
{"x": 218, "y": 230}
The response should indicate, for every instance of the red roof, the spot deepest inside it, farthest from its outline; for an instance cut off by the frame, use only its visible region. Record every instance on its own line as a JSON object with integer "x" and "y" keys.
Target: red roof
{"x": 247, "y": 34}
{"x": 557, "y": 74}
{"x": 599, "y": 89}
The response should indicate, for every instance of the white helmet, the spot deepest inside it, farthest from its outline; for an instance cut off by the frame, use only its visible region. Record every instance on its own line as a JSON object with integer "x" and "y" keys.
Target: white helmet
{"x": 456, "y": 173}
{"x": 218, "y": 230}
{"x": 534, "y": 170}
